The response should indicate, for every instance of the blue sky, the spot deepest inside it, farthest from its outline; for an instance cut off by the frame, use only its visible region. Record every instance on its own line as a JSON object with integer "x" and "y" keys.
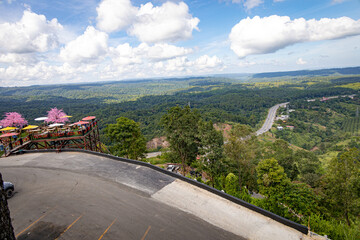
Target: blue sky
{"x": 48, "y": 42}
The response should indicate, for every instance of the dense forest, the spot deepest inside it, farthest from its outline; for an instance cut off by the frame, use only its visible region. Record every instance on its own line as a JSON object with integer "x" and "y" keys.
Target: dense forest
{"x": 295, "y": 169}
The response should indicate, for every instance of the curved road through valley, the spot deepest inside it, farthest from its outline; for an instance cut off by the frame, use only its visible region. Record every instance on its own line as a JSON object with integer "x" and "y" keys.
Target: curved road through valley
{"x": 270, "y": 118}
{"x": 269, "y": 121}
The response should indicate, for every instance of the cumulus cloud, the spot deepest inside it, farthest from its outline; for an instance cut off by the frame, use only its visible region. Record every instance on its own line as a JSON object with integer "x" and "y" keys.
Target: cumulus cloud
{"x": 300, "y": 61}
{"x": 163, "y": 51}
{"x": 44, "y": 73}
{"x": 115, "y": 15}
{"x": 14, "y": 58}
{"x": 124, "y": 54}
{"x": 169, "y": 22}
{"x": 269, "y": 34}
{"x": 205, "y": 62}
{"x": 87, "y": 47}
{"x": 202, "y": 64}
{"x": 32, "y": 33}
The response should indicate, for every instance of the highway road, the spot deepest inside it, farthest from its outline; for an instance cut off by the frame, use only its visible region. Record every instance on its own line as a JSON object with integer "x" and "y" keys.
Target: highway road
{"x": 265, "y": 127}
{"x": 82, "y": 196}
{"x": 270, "y": 118}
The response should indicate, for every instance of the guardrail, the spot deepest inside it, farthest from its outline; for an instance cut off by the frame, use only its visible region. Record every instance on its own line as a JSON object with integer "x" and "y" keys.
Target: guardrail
{"x": 289, "y": 223}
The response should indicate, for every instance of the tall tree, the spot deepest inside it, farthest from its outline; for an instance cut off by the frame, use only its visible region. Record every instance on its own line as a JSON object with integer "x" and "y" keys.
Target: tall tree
{"x": 343, "y": 184}
{"x": 240, "y": 150}
{"x": 309, "y": 167}
{"x": 211, "y": 150}
{"x": 13, "y": 119}
{"x": 285, "y": 156}
{"x": 289, "y": 199}
{"x": 181, "y": 127}
{"x": 271, "y": 177}
{"x": 127, "y": 138}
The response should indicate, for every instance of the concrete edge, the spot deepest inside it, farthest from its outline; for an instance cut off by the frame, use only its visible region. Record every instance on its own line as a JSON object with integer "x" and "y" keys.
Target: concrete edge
{"x": 301, "y": 228}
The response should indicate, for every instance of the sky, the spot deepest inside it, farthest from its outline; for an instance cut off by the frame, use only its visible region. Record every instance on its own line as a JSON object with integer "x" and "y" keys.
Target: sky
{"x": 56, "y": 41}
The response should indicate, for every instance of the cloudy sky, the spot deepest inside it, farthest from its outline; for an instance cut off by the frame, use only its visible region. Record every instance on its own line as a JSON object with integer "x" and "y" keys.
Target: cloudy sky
{"x": 55, "y": 41}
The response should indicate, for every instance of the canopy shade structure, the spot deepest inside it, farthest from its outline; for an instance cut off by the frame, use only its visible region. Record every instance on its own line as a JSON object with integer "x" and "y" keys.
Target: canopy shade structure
{"x": 30, "y": 127}
{"x": 56, "y": 124}
{"x": 8, "y": 128}
{"x": 80, "y": 123}
{"x": 88, "y": 118}
{"x": 41, "y": 118}
{"x": 8, "y": 135}
{"x": 66, "y": 116}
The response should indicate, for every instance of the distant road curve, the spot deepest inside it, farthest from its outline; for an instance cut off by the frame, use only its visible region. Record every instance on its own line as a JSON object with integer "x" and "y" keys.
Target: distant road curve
{"x": 270, "y": 118}
{"x": 265, "y": 127}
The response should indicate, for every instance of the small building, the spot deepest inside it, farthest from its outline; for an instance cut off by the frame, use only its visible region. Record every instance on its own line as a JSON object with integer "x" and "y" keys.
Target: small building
{"x": 282, "y": 117}
{"x": 290, "y": 127}
{"x": 280, "y": 128}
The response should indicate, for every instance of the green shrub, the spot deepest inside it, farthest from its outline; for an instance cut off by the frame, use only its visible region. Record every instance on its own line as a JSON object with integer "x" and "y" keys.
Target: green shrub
{"x": 335, "y": 230}
{"x": 231, "y": 184}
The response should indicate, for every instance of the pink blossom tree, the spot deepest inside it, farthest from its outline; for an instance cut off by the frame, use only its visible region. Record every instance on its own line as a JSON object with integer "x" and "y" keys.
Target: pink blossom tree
{"x": 13, "y": 119}
{"x": 56, "y": 116}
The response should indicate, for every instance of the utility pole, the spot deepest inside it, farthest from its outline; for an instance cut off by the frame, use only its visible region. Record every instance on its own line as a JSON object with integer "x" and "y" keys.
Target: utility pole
{"x": 6, "y": 228}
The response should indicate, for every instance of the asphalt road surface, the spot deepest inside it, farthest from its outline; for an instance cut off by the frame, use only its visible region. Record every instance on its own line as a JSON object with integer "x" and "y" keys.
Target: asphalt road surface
{"x": 80, "y": 196}
{"x": 270, "y": 119}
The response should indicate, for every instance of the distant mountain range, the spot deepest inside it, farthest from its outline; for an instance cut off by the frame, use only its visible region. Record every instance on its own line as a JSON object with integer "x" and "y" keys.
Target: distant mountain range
{"x": 321, "y": 72}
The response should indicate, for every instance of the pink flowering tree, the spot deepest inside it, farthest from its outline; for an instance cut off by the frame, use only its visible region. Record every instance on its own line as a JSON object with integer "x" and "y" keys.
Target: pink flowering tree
{"x": 13, "y": 119}
{"x": 56, "y": 116}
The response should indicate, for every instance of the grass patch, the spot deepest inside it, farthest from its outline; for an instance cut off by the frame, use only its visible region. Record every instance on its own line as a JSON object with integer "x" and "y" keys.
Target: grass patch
{"x": 355, "y": 86}
{"x": 156, "y": 160}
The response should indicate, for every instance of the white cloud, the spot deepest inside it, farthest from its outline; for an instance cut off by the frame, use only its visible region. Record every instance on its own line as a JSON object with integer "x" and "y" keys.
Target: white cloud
{"x": 249, "y": 4}
{"x": 124, "y": 54}
{"x": 300, "y": 61}
{"x": 14, "y": 58}
{"x": 115, "y": 15}
{"x": 87, "y": 47}
{"x": 169, "y": 22}
{"x": 269, "y": 34}
{"x": 130, "y": 65}
{"x": 205, "y": 62}
{"x": 164, "y": 51}
{"x": 44, "y": 73}
{"x": 202, "y": 64}
{"x": 32, "y": 33}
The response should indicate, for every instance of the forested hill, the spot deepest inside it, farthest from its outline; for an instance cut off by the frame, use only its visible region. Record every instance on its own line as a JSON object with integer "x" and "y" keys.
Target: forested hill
{"x": 321, "y": 72}
{"x": 217, "y": 99}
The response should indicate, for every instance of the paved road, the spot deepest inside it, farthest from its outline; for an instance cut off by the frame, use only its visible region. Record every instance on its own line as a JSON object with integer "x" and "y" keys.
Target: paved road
{"x": 81, "y": 196}
{"x": 153, "y": 154}
{"x": 270, "y": 119}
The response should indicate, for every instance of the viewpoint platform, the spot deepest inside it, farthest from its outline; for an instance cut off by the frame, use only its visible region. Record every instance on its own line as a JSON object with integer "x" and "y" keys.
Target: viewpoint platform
{"x": 83, "y": 195}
